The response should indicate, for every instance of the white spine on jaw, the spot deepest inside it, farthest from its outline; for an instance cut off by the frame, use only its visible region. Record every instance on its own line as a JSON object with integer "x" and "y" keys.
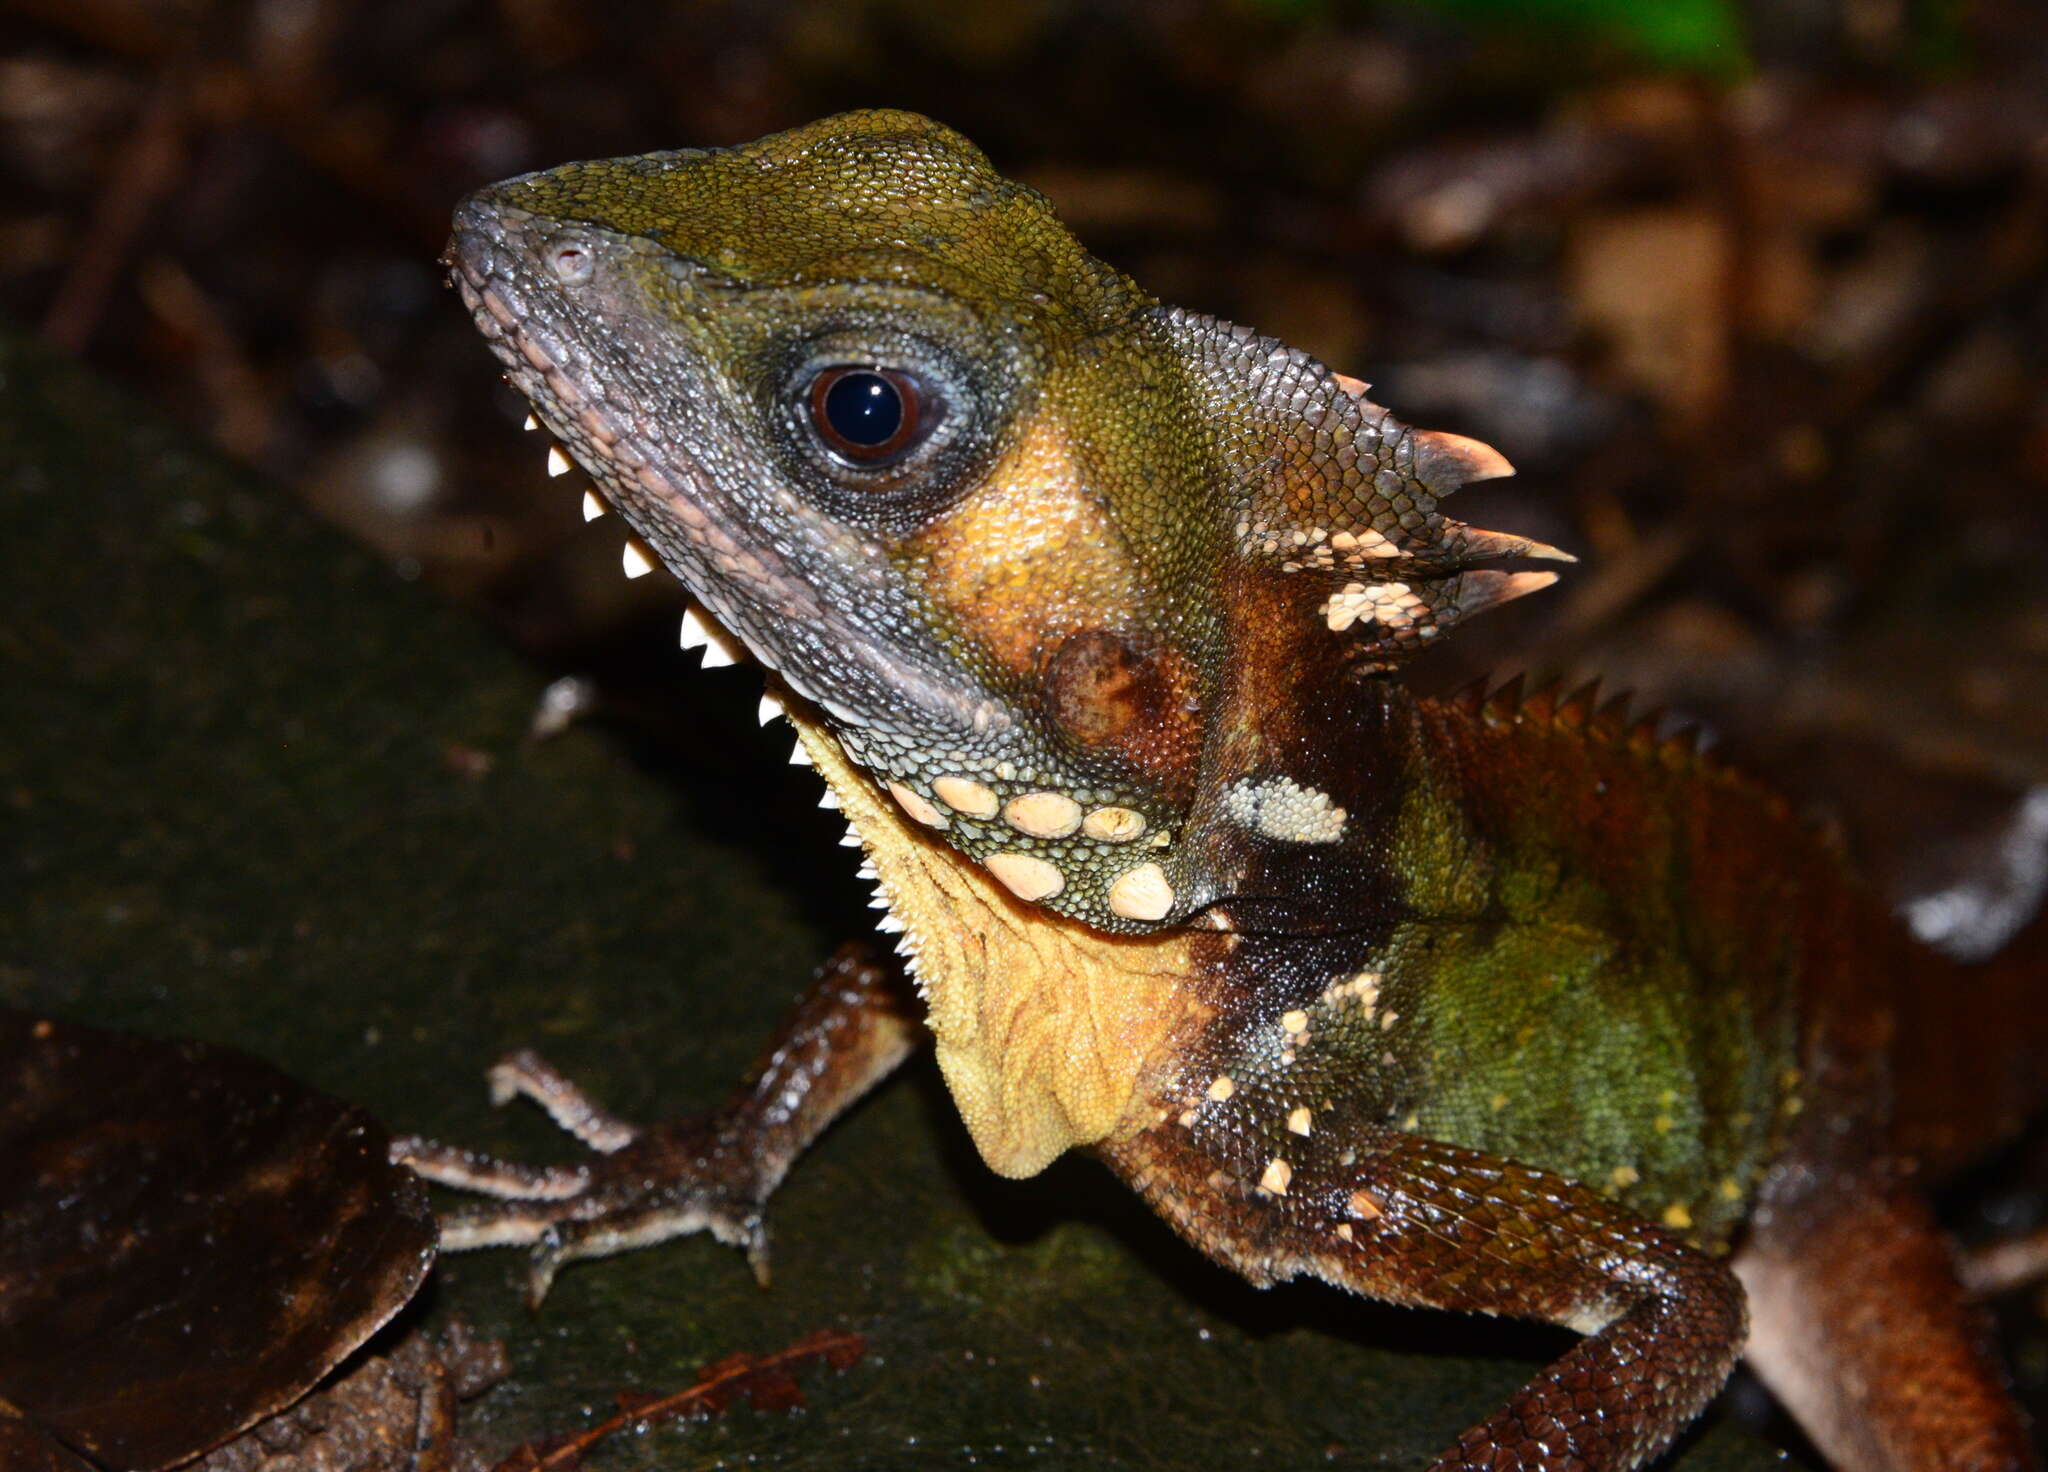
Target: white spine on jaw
{"x": 720, "y": 648}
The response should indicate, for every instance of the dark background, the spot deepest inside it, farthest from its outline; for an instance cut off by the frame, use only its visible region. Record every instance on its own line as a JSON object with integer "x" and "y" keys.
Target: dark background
{"x": 1754, "y": 297}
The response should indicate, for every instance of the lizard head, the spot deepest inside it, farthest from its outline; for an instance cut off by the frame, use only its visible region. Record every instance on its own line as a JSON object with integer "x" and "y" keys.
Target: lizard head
{"x": 998, "y": 519}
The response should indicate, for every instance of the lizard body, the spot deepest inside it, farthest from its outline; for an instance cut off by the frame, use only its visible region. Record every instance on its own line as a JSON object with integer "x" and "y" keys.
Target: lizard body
{"x": 1091, "y": 613}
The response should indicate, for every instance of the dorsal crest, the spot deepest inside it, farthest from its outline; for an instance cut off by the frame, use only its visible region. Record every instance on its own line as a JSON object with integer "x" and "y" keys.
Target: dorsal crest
{"x": 1651, "y": 732}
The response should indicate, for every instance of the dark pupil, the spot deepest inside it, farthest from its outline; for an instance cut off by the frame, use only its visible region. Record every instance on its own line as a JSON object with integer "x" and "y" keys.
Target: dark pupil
{"x": 864, "y": 409}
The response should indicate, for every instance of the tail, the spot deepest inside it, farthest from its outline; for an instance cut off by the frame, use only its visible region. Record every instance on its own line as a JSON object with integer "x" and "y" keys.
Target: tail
{"x": 1972, "y": 1049}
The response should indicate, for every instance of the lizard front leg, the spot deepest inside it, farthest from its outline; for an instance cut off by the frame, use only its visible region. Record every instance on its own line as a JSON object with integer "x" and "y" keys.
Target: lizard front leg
{"x": 1416, "y": 1221}
{"x": 707, "y": 1172}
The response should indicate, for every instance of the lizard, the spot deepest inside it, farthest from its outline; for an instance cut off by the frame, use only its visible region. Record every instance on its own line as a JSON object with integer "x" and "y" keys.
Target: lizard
{"x": 1092, "y": 614}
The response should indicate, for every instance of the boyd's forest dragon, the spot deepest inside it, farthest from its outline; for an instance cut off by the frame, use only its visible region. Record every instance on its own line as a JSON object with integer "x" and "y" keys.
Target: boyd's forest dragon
{"x": 1091, "y": 612}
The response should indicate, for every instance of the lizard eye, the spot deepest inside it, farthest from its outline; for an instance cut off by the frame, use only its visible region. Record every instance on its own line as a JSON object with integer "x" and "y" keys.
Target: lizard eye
{"x": 871, "y": 416}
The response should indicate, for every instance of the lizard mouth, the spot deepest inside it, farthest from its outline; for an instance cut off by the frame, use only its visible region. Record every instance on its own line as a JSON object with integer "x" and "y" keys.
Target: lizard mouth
{"x": 630, "y": 403}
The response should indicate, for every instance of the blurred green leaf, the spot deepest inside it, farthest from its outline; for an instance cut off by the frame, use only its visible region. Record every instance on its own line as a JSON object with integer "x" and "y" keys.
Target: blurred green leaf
{"x": 1704, "y": 36}
{"x": 1689, "y": 35}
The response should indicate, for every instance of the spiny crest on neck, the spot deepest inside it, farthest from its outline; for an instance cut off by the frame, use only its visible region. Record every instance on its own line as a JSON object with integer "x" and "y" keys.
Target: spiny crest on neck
{"x": 1336, "y": 491}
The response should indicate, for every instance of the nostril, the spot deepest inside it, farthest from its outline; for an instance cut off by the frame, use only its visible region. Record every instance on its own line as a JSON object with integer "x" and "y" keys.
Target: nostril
{"x": 572, "y": 264}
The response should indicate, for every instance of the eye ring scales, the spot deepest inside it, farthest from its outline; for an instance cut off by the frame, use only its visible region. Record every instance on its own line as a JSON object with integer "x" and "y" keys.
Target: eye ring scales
{"x": 869, "y": 417}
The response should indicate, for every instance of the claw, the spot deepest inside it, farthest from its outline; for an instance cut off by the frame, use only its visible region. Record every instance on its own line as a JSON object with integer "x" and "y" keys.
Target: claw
{"x": 757, "y": 1250}
{"x": 541, "y": 1268}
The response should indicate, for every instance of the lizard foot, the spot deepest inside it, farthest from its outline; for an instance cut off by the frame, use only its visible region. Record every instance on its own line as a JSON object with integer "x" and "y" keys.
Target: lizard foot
{"x": 642, "y": 1186}
{"x": 705, "y": 1172}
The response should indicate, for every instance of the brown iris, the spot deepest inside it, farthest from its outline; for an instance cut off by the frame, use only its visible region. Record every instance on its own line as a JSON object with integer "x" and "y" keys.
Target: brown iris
{"x": 868, "y": 416}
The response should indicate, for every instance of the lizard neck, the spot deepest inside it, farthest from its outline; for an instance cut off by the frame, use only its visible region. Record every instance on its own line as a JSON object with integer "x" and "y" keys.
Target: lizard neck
{"x": 1047, "y": 1030}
